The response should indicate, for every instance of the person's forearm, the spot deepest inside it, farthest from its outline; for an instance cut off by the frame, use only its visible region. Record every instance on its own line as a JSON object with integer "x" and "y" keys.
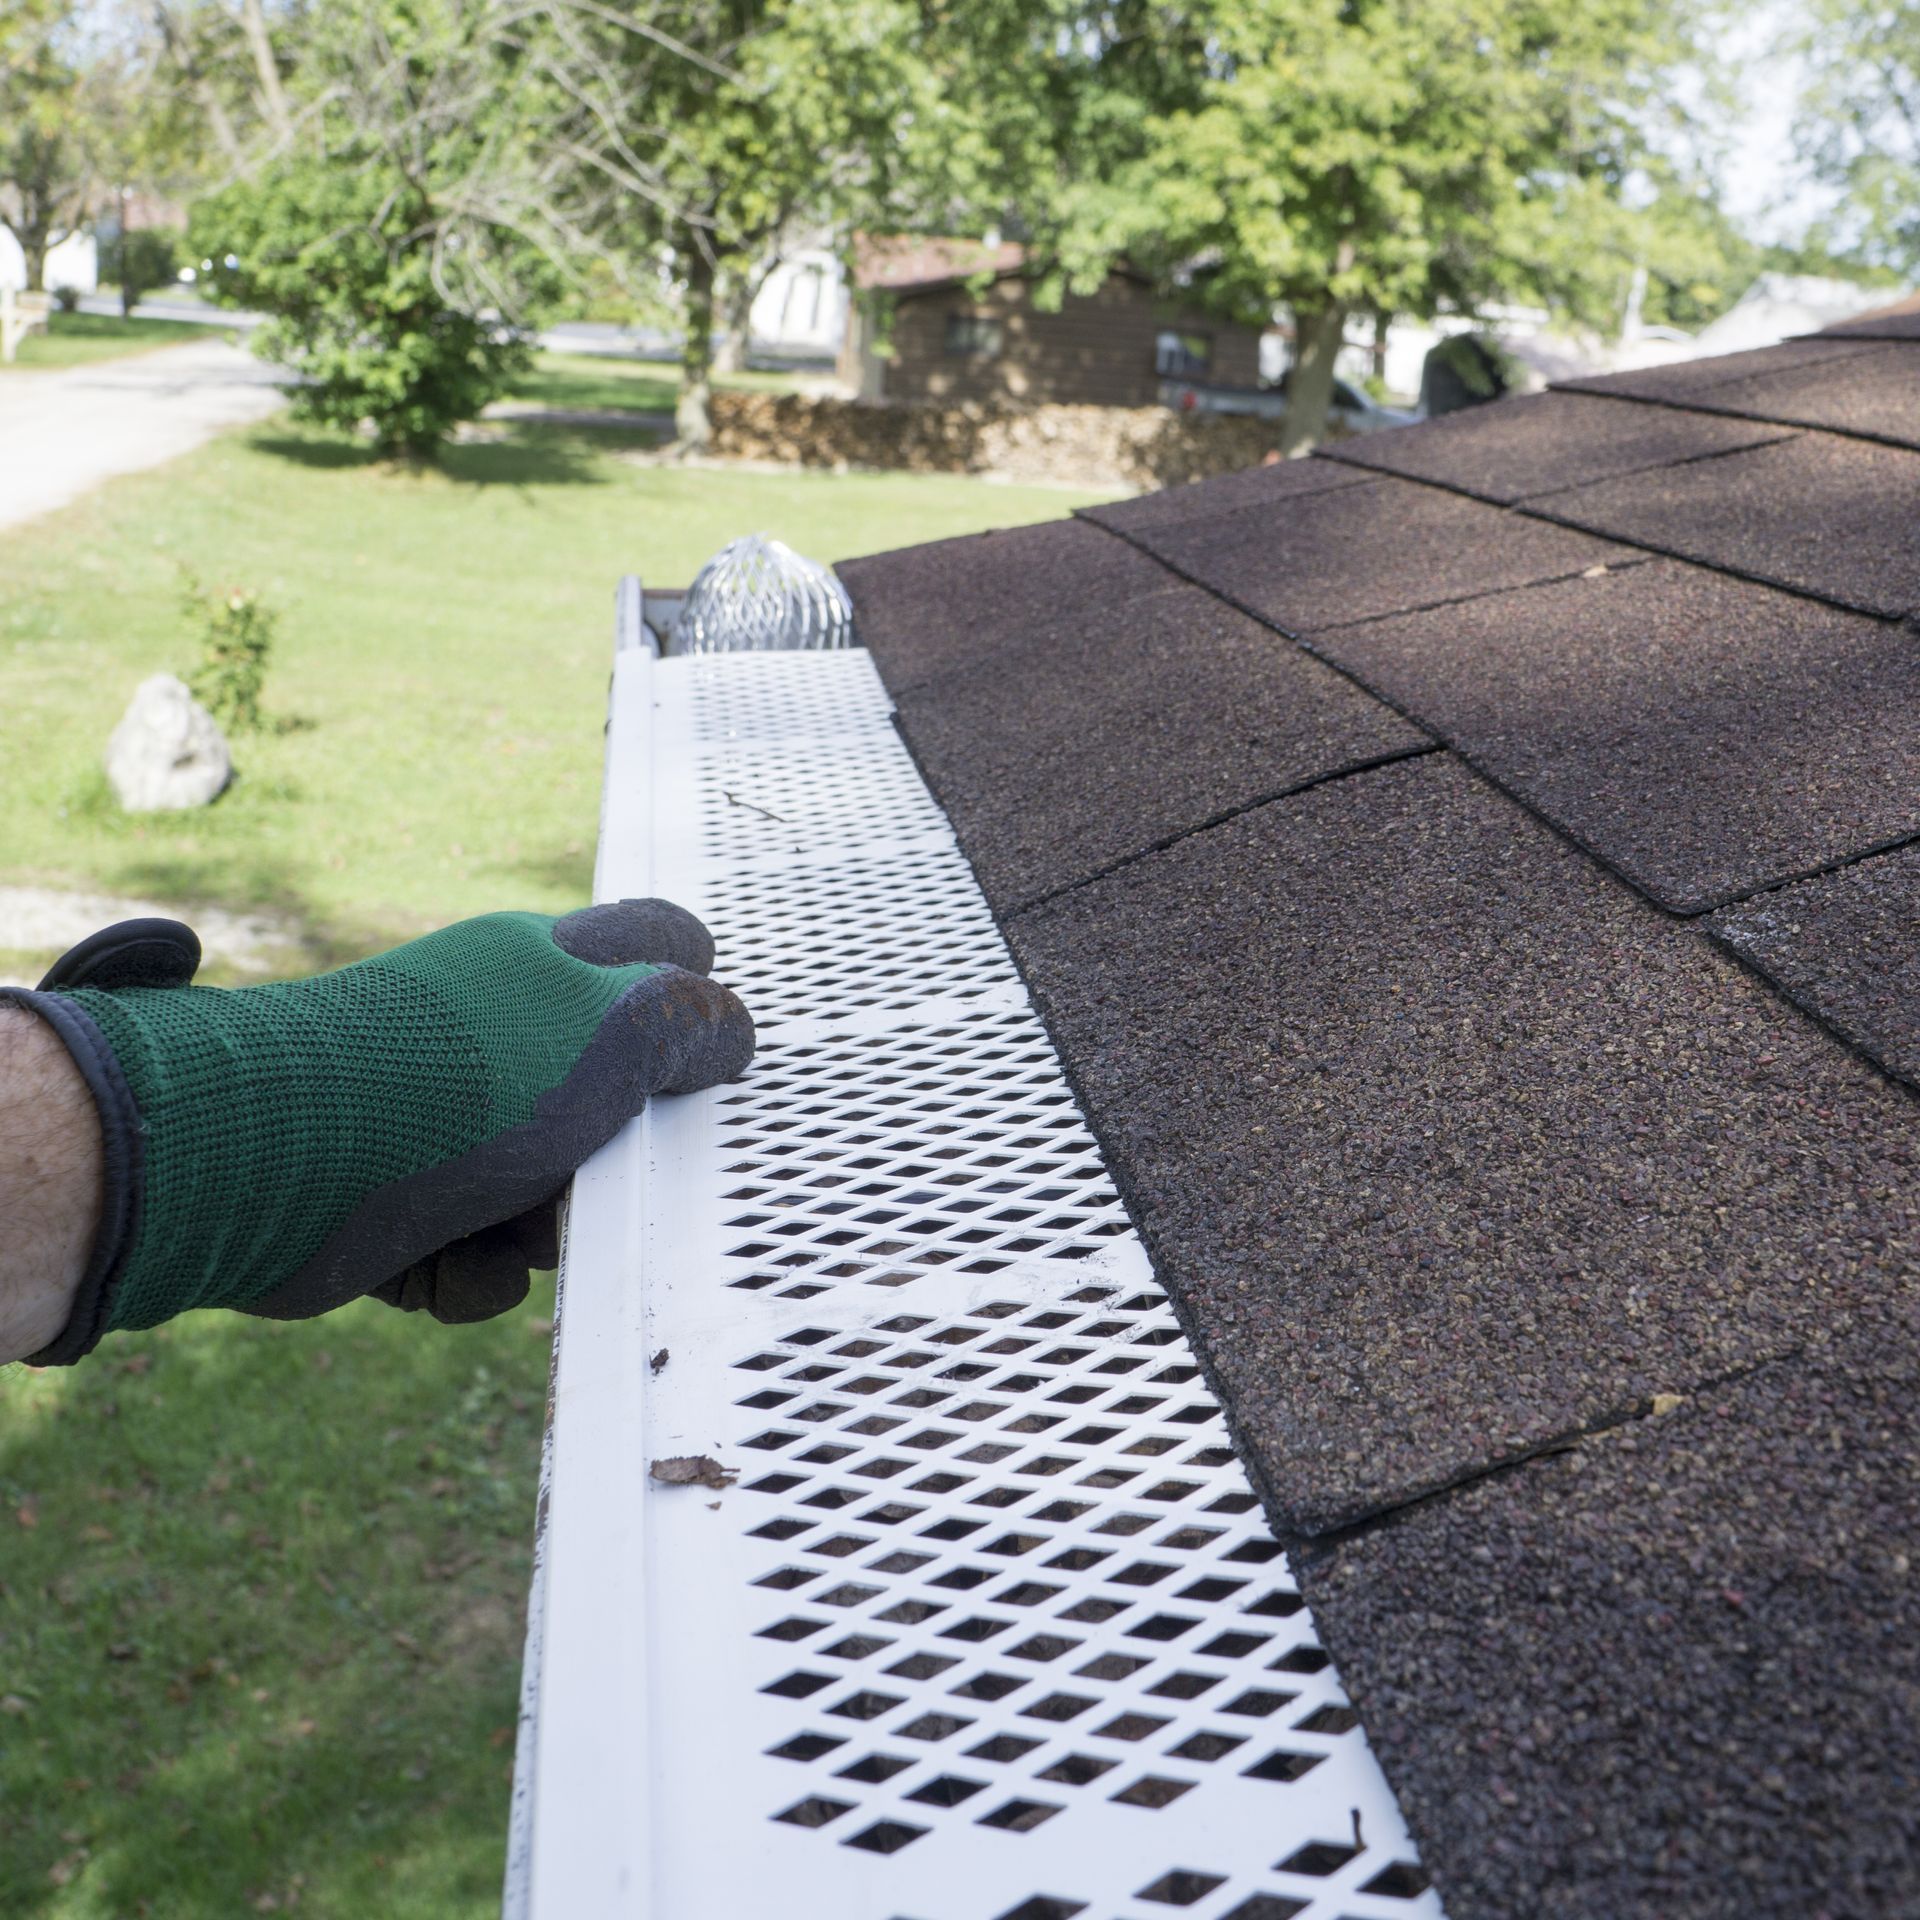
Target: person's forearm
{"x": 50, "y": 1182}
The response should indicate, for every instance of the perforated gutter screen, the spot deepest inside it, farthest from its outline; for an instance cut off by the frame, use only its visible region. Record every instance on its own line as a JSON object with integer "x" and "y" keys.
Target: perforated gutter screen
{"x": 989, "y": 1624}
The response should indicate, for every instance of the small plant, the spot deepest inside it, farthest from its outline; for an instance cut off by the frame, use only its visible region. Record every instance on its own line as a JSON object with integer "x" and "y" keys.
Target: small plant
{"x": 67, "y": 299}
{"x": 236, "y": 629}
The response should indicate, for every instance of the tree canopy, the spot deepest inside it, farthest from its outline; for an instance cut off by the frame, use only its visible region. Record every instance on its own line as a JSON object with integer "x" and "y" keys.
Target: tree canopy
{"x": 1859, "y": 125}
{"x": 1319, "y": 159}
{"x": 1386, "y": 156}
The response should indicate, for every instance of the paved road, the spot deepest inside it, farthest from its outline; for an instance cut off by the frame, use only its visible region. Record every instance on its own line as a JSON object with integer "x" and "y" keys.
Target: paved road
{"x": 63, "y": 432}
{"x": 570, "y": 336}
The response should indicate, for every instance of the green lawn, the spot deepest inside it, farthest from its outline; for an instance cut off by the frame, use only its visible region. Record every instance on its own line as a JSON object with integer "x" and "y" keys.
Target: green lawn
{"x": 74, "y": 339}
{"x": 261, "y": 1589}
{"x": 585, "y": 382}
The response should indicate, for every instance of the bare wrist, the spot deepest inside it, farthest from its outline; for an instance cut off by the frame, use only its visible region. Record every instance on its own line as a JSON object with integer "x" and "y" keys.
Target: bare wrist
{"x": 51, "y": 1182}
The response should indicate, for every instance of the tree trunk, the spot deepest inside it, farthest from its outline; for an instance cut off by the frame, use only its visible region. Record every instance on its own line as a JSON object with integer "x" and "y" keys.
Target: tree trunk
{"x": 129, "y": 293}
{"x": 1318, "y": 332}
{"x": 692, "y": 417}
{"x": 35, "y": 243}
{"x": 736, "y": 303}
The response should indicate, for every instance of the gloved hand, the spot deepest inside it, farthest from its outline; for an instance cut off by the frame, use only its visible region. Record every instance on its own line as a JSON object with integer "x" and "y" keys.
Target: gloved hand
{"x": 403, "y": 1127}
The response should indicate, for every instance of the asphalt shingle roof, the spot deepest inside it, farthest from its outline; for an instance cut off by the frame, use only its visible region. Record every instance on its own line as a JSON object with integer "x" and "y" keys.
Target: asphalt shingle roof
{"x": 1556, "y": 1250}
{"x": 1845, "y": 946}
{"x": 953, "y": 603}
{"x": 1871, "y": 393}
{"x": 1449, "y": 1144}
{"x": 1354, "y": 553}
{"x": 1705, "y": 736}
{"x": 1173, "y": 711}
{"x": 1544, "y": 442}
{"x": 1670, "y": 1671}
{"x": 1824, "y": 515}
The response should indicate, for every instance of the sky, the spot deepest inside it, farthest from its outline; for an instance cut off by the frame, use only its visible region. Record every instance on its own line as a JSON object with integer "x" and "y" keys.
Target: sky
{"x": 1761, "y": 186}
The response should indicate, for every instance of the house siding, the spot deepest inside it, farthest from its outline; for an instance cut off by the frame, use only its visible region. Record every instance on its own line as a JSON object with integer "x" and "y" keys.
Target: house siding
{"x": 1097, "y": 350}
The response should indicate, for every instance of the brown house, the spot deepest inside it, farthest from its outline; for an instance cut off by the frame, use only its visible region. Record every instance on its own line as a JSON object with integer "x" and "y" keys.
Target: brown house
{"x": 958, "y": 321}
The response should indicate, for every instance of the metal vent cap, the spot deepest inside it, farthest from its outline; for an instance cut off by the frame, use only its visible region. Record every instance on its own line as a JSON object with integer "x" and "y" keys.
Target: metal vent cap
{"x": 757, "y": 595}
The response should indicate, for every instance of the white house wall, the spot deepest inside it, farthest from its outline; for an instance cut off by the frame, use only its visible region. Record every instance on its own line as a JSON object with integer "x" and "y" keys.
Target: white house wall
{"x": 801, "y": 310}
{"x": 74, "y": 262}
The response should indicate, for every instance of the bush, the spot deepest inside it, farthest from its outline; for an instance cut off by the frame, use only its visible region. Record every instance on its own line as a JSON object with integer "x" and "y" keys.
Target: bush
{"x": 339, "y": 255}
{"x": 140, "y": 261}
{"x": 236, "y": 630}
{"x": 67, "y": 299}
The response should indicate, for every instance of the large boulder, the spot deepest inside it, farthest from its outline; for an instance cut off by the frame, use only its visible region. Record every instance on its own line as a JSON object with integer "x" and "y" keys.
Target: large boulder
{"x": 167, "y": 752}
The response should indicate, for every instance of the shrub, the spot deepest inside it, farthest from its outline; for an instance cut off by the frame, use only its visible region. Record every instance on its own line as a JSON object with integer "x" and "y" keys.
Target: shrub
{"x": 236, "y": 634}
{"x": 67, "y": 299}
{"x": 339, "y": 254}
{"x": 140, "y": 261}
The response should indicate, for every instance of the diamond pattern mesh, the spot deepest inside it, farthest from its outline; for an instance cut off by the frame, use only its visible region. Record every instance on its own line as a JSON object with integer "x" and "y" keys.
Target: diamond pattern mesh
{"x": 989, "y": 1625}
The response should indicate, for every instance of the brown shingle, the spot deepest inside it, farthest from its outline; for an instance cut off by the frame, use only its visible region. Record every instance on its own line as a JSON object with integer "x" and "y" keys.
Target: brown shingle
{"x": 1354, "y": 553}
{"x": 1671, "y": 1675}
{"x": 1847, "y": 947}
{"x": 1875, "y": 394}
{"x": 1897, "y": 320}
{"x": 1100, "y": 734}
{"x": 1703, "y": 735}
{"x": 1682, "y": 382}
{"x": 1539, "y": 443}
{"x": 1447, "y": 1144}
{"x": 1824, "y": 515}
{"x": 926, "y": 610}
{"x": 1211, "y": 500}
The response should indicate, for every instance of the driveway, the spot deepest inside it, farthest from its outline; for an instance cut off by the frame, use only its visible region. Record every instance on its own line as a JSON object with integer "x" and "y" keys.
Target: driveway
{"x": 65, "y": 431}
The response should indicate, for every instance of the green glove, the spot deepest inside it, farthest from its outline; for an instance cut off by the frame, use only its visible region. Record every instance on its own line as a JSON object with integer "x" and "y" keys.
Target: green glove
{"x": 403, "y": 1127}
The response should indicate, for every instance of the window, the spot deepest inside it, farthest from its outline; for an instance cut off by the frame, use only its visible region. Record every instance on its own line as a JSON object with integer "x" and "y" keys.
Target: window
{"x": 1182, "y": 356}
{"x": 972, "y": 333}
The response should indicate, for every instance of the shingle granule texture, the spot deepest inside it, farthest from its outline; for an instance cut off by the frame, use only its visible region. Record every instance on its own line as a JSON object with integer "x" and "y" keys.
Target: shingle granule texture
{"x": 1874, "y": 393}
{"x": 1846, "y": 947}
{"x": 1682, "y": 383}
{"x": 1228, "y": 493}
{"x": 1540, "y": 442}
{"x": 926, "y": 610}
{"x": 1703, "y": 735}
{"x": 1824, "y": 515}
{"x": 1354, "y": 553}
{"x": 1446, "y": 1143}
{"x": 1673, "y": 1675}
{"x": 1100, "y": 735}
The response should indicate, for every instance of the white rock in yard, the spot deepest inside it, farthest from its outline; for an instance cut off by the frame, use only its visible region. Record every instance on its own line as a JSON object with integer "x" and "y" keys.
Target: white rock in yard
{"x": 167, "y": 752}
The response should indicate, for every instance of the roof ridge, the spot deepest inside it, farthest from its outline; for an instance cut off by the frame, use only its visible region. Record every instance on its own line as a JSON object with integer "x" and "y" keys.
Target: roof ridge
{"x": 1857, "y": 350}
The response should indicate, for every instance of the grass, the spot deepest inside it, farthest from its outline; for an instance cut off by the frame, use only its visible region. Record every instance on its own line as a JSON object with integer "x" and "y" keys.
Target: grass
{"x": 443, "y": 646}
{"x": 78, "y": 339}
{"x": 586, "y": 382}
{"x": 261, "y": 1593}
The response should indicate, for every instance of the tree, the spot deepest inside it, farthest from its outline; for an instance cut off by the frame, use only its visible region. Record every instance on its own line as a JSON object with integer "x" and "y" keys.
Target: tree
{"x": 140, "y": 260}
{"x": 336, "y": 250}
{"x": 1858, "y": 127}
{"x": 1403, "y": 156}
{"x": 46, "y": 169}
{"x": 740, "y": 125}
{"x": 402, "y": 213}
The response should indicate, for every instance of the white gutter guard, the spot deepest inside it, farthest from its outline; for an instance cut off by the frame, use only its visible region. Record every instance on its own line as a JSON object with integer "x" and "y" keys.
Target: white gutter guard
{"x": 973, "y": 1615}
